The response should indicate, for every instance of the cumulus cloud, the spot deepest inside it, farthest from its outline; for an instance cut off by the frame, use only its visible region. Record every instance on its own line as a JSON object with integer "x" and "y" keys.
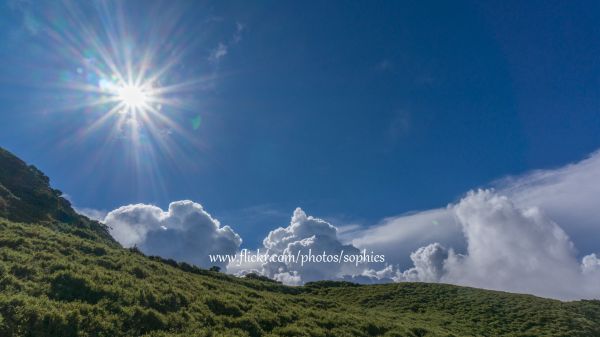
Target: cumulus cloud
{"x": 504, "y": 239}
{"x": 565, "y": 196}
{"x": 508, "y": 248}
{"x": 184, "y": 232}
{"x": 568, "y": 195}
{"x": 590, "y": 264}
{"x": 397, "y": 237}
{"x": 303, "y": 235}
{"x": 428, "y": 264}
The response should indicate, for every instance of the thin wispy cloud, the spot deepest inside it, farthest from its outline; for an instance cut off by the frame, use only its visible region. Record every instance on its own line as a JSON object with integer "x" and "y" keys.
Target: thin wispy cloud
{"x": 222, "y": 48}
{"x": 217, "y": 53}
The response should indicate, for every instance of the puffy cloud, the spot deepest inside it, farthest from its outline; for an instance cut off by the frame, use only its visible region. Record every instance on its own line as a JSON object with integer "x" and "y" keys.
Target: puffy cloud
{"x": 130, "y": 225}
{"x": 590, "y": 264}
{"x": 568, "y": 195}
{"x": 184, "y": 232}
{"x": 511, "y": 249}
{"x": 428, "y": 264}
{"x": 303, "y": 235}
{"x": 290, "y": 278}
{"x": 507, "y": 240}
{"x": 397, "y": 237}
{"x": 535, "y": 202}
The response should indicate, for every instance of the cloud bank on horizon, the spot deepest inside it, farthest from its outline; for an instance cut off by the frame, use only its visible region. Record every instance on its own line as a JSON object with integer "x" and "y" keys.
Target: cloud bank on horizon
{"x": 185, "y": 231}
{"x": 531, "y": 234}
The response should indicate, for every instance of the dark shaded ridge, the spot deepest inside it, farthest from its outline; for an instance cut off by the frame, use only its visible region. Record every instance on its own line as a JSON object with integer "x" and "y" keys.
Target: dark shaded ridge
{"x": 26, "y": 196}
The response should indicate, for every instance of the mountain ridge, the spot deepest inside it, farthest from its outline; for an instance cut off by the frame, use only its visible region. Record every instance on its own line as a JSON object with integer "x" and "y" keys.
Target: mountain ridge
{"x": 26, "y": 196}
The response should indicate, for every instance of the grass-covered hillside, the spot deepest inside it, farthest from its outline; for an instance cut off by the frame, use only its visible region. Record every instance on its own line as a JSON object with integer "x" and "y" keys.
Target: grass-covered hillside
{"x": 62, "y": 275}
{"x": 58, "y": 284}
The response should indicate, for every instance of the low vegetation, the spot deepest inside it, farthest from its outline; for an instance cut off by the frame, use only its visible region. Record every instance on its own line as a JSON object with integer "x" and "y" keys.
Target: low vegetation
{"x": 56, "y": 283}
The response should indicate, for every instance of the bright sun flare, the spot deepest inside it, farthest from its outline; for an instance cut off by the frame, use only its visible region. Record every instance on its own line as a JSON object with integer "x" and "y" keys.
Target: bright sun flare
{"x": 131, "y": 84}
{"x": 132, "y": 96}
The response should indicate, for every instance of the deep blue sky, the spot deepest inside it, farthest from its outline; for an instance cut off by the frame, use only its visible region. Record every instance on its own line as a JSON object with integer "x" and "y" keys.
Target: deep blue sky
{"x": 352, "y": 110}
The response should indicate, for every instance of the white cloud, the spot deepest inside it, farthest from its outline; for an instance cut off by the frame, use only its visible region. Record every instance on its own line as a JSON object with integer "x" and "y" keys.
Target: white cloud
{"x": 291, "y": 278}
{"x": 306, "y": 233}
{"x": 590, "y": 264}
{"x": 223, "y": 47}
{"x": 184, "y": 232}
{"x": 301, "y": 227}
{"x": 240, "y": 268}
{"x": 91, "y": 213}
{"x": 217, "y": 53}
{"x": 568, "y": 195}
{"x": 428, "y": 264}
{"x": 397, "y": 237}
{"x": 511, "y": 238}
{"x": 511, "y": 249}
{"x": 237, "y": 36}
{"x": 506, "y": 240}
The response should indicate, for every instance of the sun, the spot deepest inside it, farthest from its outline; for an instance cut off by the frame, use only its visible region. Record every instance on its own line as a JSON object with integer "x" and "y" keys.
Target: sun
{"x": 132, "y": 96}
{"x": 130, "y": 87}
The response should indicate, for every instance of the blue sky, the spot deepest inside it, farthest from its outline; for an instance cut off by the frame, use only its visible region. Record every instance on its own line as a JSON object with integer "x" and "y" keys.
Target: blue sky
{"x": 354, "y": 111}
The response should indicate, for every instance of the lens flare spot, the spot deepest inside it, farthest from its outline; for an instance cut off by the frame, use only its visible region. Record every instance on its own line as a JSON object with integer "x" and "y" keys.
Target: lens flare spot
{"x": 196, "y": 121}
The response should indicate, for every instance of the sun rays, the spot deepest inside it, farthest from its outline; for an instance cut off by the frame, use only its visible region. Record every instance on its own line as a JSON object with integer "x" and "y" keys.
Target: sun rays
{"x": 123, "y": 86}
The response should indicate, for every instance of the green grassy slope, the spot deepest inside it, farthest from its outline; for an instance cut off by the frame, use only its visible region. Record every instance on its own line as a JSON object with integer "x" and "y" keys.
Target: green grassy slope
{"x": 62, "y": 274}
{"x": 58, "y": 284}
